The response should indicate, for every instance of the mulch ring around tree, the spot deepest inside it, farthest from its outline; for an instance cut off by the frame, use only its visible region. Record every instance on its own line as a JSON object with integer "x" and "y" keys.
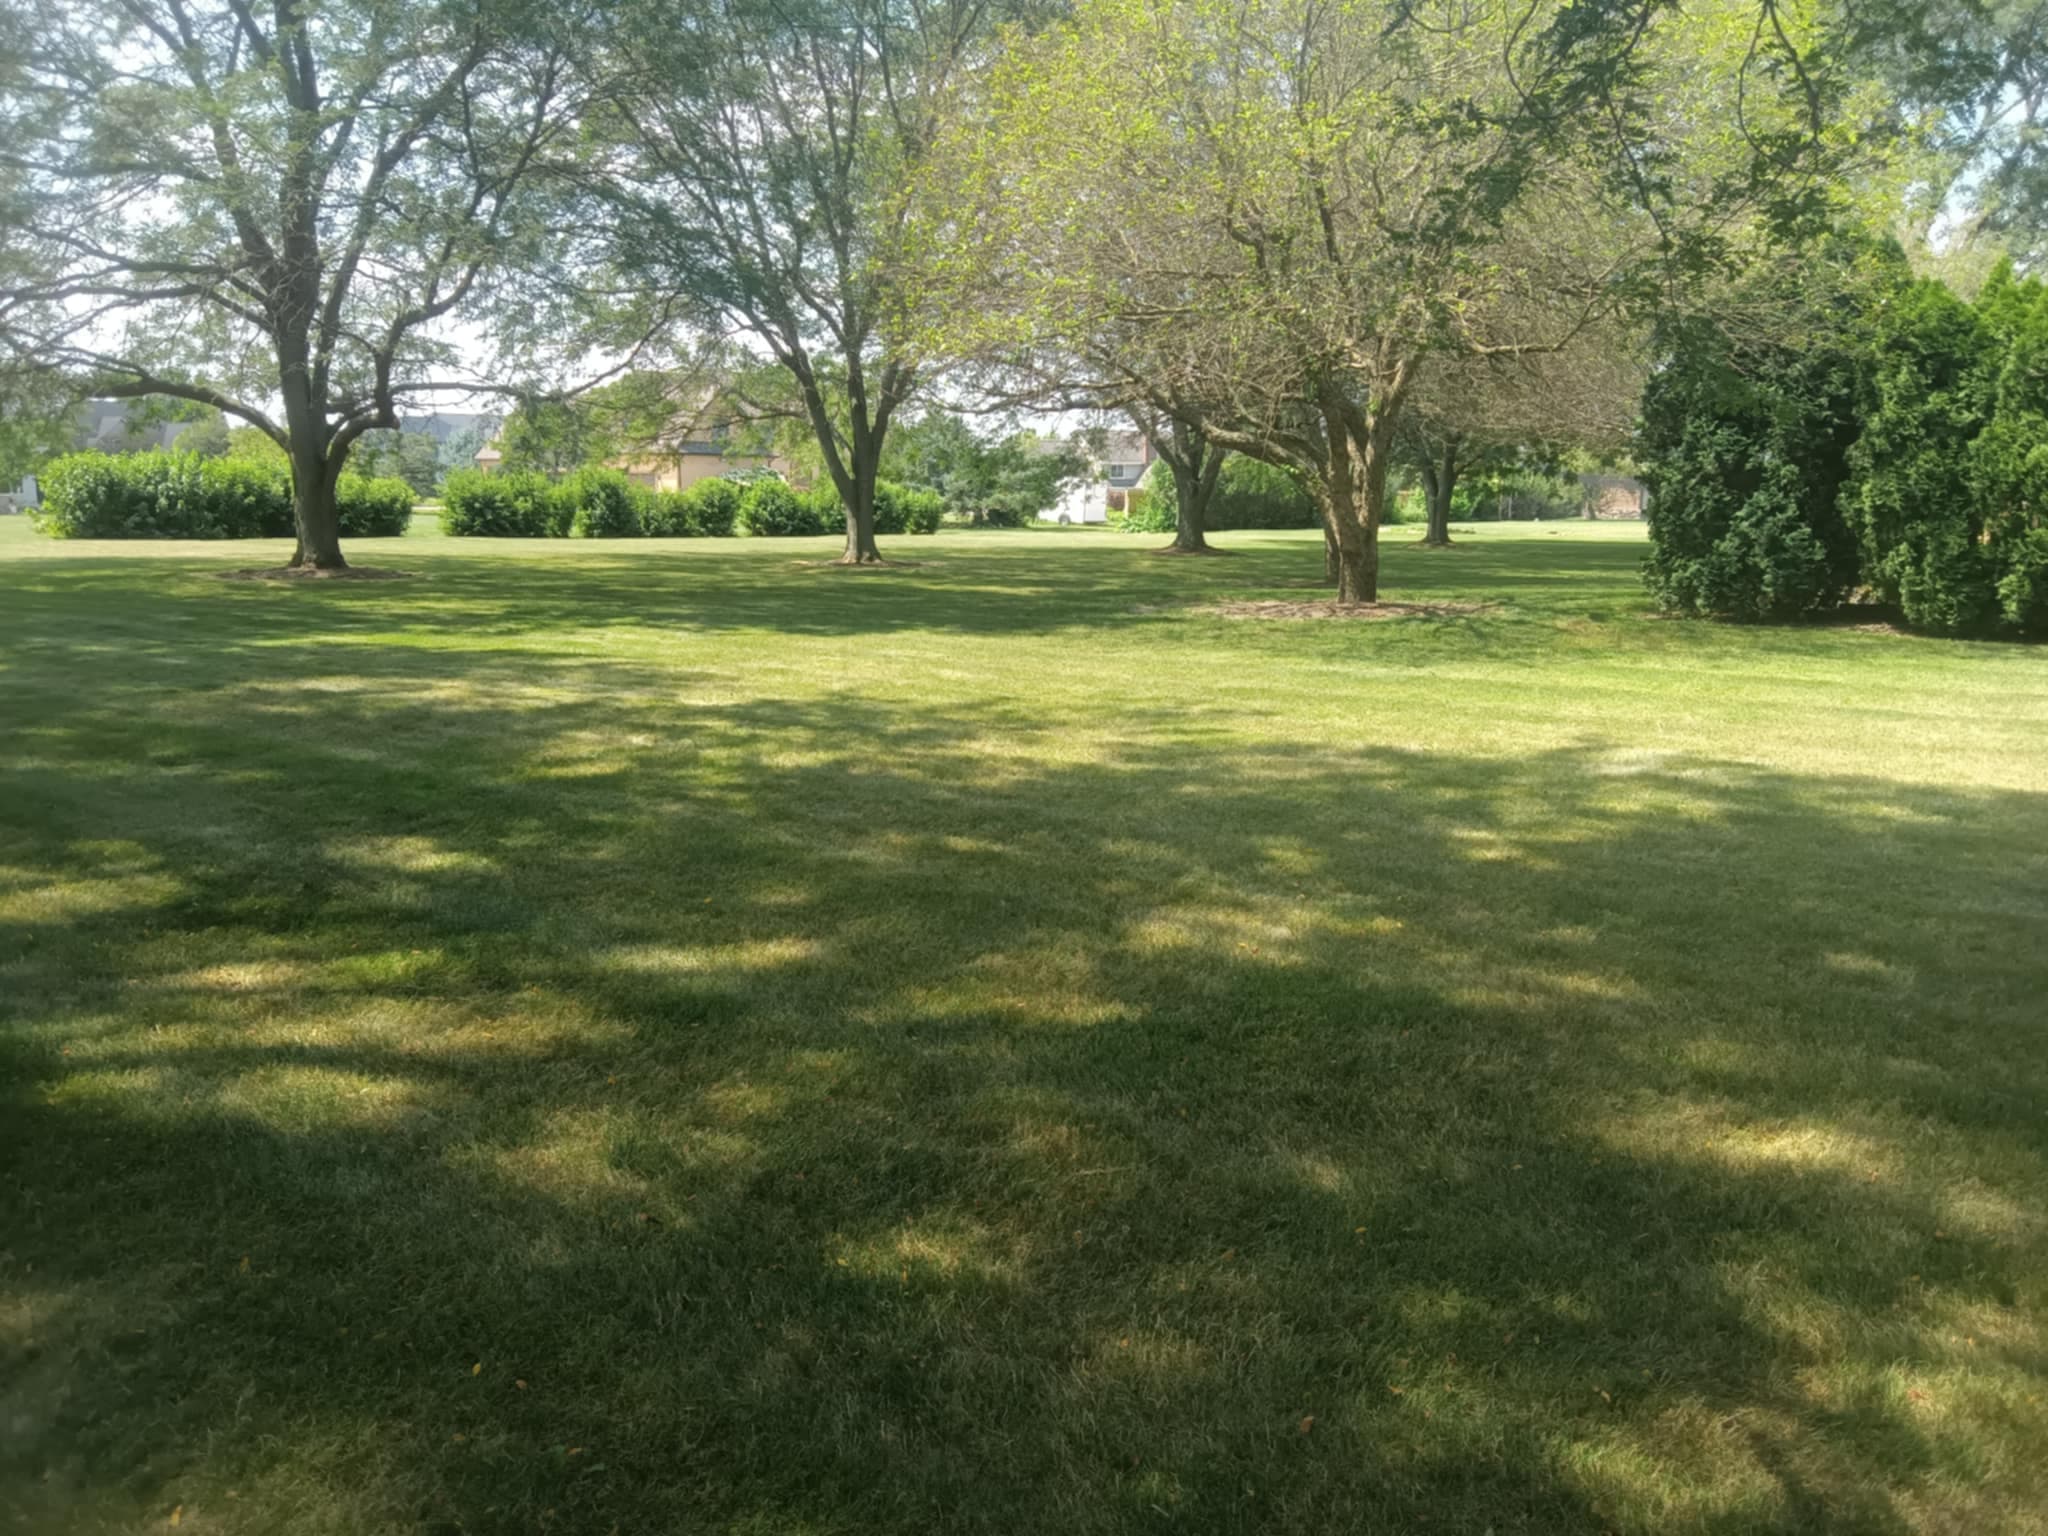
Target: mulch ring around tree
{"x": 1279, "y": 608}
{"x": 313, "y": 573}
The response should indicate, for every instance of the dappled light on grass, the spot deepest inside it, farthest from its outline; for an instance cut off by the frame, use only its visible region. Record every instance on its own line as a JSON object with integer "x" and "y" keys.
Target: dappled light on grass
{"x": 1009, "y": 1089}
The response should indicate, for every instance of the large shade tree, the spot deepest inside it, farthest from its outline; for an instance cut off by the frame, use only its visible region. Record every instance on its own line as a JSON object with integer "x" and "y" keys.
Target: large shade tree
{"x": 270, "y": 209}
{"x": 1339, "y": 200}
{"x": 758, "y": 150}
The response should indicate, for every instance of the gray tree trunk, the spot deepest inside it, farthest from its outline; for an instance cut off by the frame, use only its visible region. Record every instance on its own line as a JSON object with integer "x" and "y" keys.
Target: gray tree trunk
{"x": 316, "y": 516}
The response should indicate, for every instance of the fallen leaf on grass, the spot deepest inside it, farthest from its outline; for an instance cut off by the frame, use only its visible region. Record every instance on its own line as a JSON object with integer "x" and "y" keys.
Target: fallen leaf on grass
{"x": 1308, "y": 1422}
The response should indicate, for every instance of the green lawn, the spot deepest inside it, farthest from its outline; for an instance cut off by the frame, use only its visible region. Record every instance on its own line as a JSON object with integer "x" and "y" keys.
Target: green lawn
{"x": 672, "y": 1038}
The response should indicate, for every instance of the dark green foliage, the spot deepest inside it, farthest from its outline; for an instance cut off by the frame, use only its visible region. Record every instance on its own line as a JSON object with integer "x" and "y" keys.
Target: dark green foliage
{"x": 1745, "y": 452}
{"x": 246, "y": 500}
{"x": 903, "y": 509}
{"x": 1020, "y": 481}
{"x": 711, "y": 509}
{"x": 665, "y": 515}
{"x": 373, "y": 508}
{"x": 506, "y": 505}
{"x": 2023, "y": 588}
{"x": 923, "y": 510}
{"x": 706, "y": 510}
{"x": 1952, "y": 502}
{"x": 1252, "y": 494}
{"x": 770, "y": 509}
{"x": 1901, "y": 441}
{"x": 162, "y": 496}
{"x": 2010, "y": 472}
{"x": 823, "y": 506}
{"x": 182, "y": 496}
{"x": 603, "y": 505}
{"x": 1930, "y": 392}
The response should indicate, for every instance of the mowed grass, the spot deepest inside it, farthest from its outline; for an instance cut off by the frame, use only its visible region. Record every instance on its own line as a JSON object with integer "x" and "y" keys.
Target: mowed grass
{"x": 672, "y": 1038}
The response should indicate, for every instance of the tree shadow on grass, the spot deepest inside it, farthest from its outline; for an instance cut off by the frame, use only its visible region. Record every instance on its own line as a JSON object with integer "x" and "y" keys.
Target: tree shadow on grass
{"x": 808, "y": 1120}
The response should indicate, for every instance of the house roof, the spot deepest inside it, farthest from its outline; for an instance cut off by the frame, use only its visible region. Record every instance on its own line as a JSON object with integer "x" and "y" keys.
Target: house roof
{"x": 122, "y": 424}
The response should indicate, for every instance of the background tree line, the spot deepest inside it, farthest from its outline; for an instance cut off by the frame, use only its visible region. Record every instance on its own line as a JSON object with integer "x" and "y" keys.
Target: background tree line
{"x": 1329, "y": 238}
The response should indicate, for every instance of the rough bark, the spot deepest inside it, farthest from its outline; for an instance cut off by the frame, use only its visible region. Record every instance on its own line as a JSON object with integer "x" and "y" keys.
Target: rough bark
{"x": 1194, "y": 462}
{"x": 1358, "y": 447}
{"x": 1190, "y": 537}
{"x": 860, "y": 518}
{"x": 853, "y": 461}
{"x": 318, "y": 520}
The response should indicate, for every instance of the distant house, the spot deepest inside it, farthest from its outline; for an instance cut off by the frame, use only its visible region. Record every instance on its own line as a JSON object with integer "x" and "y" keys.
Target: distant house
{"x": 1113, "y": 473}
{"x": 1613, "y": 498}
{"x": 128, "y": 426}
{"x": 695, "y": 447}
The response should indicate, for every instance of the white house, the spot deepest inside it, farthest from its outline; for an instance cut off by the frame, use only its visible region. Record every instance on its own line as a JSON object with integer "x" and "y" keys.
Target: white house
{"x": 1113, "y": 473}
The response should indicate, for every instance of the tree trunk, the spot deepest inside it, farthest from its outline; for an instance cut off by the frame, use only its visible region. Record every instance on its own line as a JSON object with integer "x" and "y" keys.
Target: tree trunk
{"x": 860, "y": 514}
{"x": 317, "y": 518}
{"x": 1355, "y": 488}
{"x": 1438, "y": 483}
{"x": 1189, "y": 536}
{"x": 1333, "y": 558}
{"x": 1194, "y": 463}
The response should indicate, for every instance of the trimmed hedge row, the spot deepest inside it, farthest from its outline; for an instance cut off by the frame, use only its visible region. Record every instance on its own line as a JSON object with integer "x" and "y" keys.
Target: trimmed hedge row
{"x": 604, "y": 504}
{"x": 182, "y": 496}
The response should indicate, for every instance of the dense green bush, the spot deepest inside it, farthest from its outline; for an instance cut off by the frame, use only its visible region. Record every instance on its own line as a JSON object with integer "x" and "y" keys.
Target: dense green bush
{"x": 1921, "y": 526}
{"x": 923, "y": 510}
{"x": 2010, "y": 470}
{"x": 373, "y": 508}
{"x": 824, "y": 508}
{"x": 770, "y": 509}
{"x": 247, "y": 500}
{"x": 602, "y": 503}
{"x": 161, "y": 496}
{"x": 507, "y": 505}
{"x": 1897, "y": 437}
{"x": 712, "y": 508}
{"x": 99, "y": 496}
{"x": 903, "y": 509}
{"x": 182, "y": 496}
{"x": 1951, "y": 500}
{"x": 1745, "y": 453}
{"x": 665, "y": 515}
